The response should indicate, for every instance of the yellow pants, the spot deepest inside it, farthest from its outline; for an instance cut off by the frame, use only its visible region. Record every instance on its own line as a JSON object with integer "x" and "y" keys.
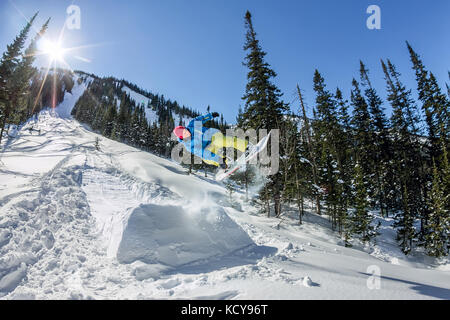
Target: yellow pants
{"x": 220, "y": 141}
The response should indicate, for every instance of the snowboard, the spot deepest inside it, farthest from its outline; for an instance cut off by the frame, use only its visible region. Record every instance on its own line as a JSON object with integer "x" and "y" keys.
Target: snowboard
{"x": 243, "y": 159}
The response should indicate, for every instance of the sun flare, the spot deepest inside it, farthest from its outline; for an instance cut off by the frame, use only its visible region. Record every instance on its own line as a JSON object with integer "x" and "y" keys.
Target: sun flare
{"x": 53, "y": 50}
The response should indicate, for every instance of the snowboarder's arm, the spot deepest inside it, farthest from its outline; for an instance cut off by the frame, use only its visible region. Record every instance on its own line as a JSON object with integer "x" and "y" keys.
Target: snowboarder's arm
{"x": 206, "y": 118}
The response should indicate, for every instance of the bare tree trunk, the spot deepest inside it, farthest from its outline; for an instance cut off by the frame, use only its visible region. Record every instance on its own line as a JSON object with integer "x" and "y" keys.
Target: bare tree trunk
{"x": 312, "y": 158}
{"x": 3, "y": 129}
{"x": 277, "y": 195}
{"x": 299, "y": 196}
{"x": 300, "y": 207}
{"x": 246, "y": 185}
{"x": 277, "y": 205}
{"x": 381, "y": 191}
{"x": 5, "y": 118}
{"x": 266, "y": 196}
{"x": 191, "y": 164}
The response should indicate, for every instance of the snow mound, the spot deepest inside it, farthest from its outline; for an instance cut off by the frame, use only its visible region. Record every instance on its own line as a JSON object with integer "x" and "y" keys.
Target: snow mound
{"x": 174, "y": 236}
{"x": 41, "y": 225}
{"x": 307, "y": 282}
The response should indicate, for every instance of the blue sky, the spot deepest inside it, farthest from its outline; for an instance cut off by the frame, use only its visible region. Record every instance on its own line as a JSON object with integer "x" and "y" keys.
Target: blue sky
{"x": 191, "y": 50}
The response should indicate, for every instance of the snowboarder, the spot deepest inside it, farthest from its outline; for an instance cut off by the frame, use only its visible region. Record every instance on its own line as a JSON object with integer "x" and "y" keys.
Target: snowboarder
{"x": 210, "y": 141}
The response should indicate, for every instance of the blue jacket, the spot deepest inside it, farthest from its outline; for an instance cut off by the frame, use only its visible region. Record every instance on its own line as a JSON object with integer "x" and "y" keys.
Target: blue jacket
{"x": 200, "y": 138}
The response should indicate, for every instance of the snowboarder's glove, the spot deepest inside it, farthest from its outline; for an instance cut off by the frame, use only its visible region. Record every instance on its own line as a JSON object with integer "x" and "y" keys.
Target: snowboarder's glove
{"x": 215, "y": 114}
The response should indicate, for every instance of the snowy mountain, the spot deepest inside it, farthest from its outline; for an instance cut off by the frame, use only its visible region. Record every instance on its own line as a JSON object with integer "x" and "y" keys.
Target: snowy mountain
{"x": 154, "y": 104}
{"x": 114, "y": 222}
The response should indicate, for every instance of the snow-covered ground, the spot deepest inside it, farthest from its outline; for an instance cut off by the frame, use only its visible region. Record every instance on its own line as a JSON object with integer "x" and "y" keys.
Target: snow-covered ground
{"x": 119, "y": 223}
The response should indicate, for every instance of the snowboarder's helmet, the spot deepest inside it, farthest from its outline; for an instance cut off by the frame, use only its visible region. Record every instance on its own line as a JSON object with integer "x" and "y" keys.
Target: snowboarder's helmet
{"x": 178, "y": 131}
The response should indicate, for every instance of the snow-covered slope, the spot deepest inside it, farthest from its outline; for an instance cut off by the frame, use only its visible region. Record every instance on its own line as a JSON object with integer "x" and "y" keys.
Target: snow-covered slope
{"x": 119, "y": 223}
{"x": 150, "y": 114}
{"x": 64, "y": 109}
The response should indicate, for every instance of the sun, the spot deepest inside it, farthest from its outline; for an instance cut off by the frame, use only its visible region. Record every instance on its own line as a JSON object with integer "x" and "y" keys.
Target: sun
{"x": 53, "y": 50}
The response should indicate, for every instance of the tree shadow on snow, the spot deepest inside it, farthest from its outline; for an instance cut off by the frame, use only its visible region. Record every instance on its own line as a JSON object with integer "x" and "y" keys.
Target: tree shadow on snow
{"x": 246, "y": 256}
{"x": 173, "y": 169}
{"x": 424, "y": 289}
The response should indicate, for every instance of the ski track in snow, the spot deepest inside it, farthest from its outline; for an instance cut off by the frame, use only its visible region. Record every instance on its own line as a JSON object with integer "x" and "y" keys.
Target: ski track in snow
{"x": 70, "y": 213}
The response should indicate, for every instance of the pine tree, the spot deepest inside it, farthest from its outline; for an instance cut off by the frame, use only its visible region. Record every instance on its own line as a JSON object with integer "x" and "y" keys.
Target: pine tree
{"x": 436, "y": 239}
{"x": 109, "y": 120}
{"x": 408, "y": 177}
{"x": 448, "y": 87}
{"x": 23, "y": 73}
{"x": 434, "y": 104}
{"x": 381, "y": 144}
{"x": 361, "y": 221}
{"x": 405, "y": 224}
{"x": 135, "y": 127}
{"x": 445, "y": 170}
{"x": 344, "y": 148}
{"x": 8, "y": 64}
{"x": 326, "y": 131}
{"x": 442, "y": 110}
{"x": 343, "y": 115}
{"x": 123, "y": 119}
{"x": 263, "y": 106}
{"x": 411, "y": 112}
{"x": 302, "y": 174}
{"x": 289, "y": 163}
{"x": 363, "y": 130}
{"x": 310, "y": 155}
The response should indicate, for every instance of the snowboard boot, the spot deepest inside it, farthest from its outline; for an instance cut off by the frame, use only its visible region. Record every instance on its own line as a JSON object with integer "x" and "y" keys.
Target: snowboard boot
{"x": 223, "y": 166}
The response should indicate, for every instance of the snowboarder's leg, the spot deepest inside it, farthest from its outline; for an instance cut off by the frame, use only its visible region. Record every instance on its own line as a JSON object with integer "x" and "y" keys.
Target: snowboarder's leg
{"x": 220, "y": 141}
{"x": 212, "y": 153}
{"x": 213, "y": 158}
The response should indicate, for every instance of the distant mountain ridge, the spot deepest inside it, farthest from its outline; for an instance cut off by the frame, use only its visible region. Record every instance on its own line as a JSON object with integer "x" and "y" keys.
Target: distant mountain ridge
{"x": 157, "y": 107}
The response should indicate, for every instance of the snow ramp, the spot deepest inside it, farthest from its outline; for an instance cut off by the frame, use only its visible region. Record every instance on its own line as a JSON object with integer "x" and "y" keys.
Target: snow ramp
{"x": 146, "y": 221}
{"x": 175, "y": 236}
